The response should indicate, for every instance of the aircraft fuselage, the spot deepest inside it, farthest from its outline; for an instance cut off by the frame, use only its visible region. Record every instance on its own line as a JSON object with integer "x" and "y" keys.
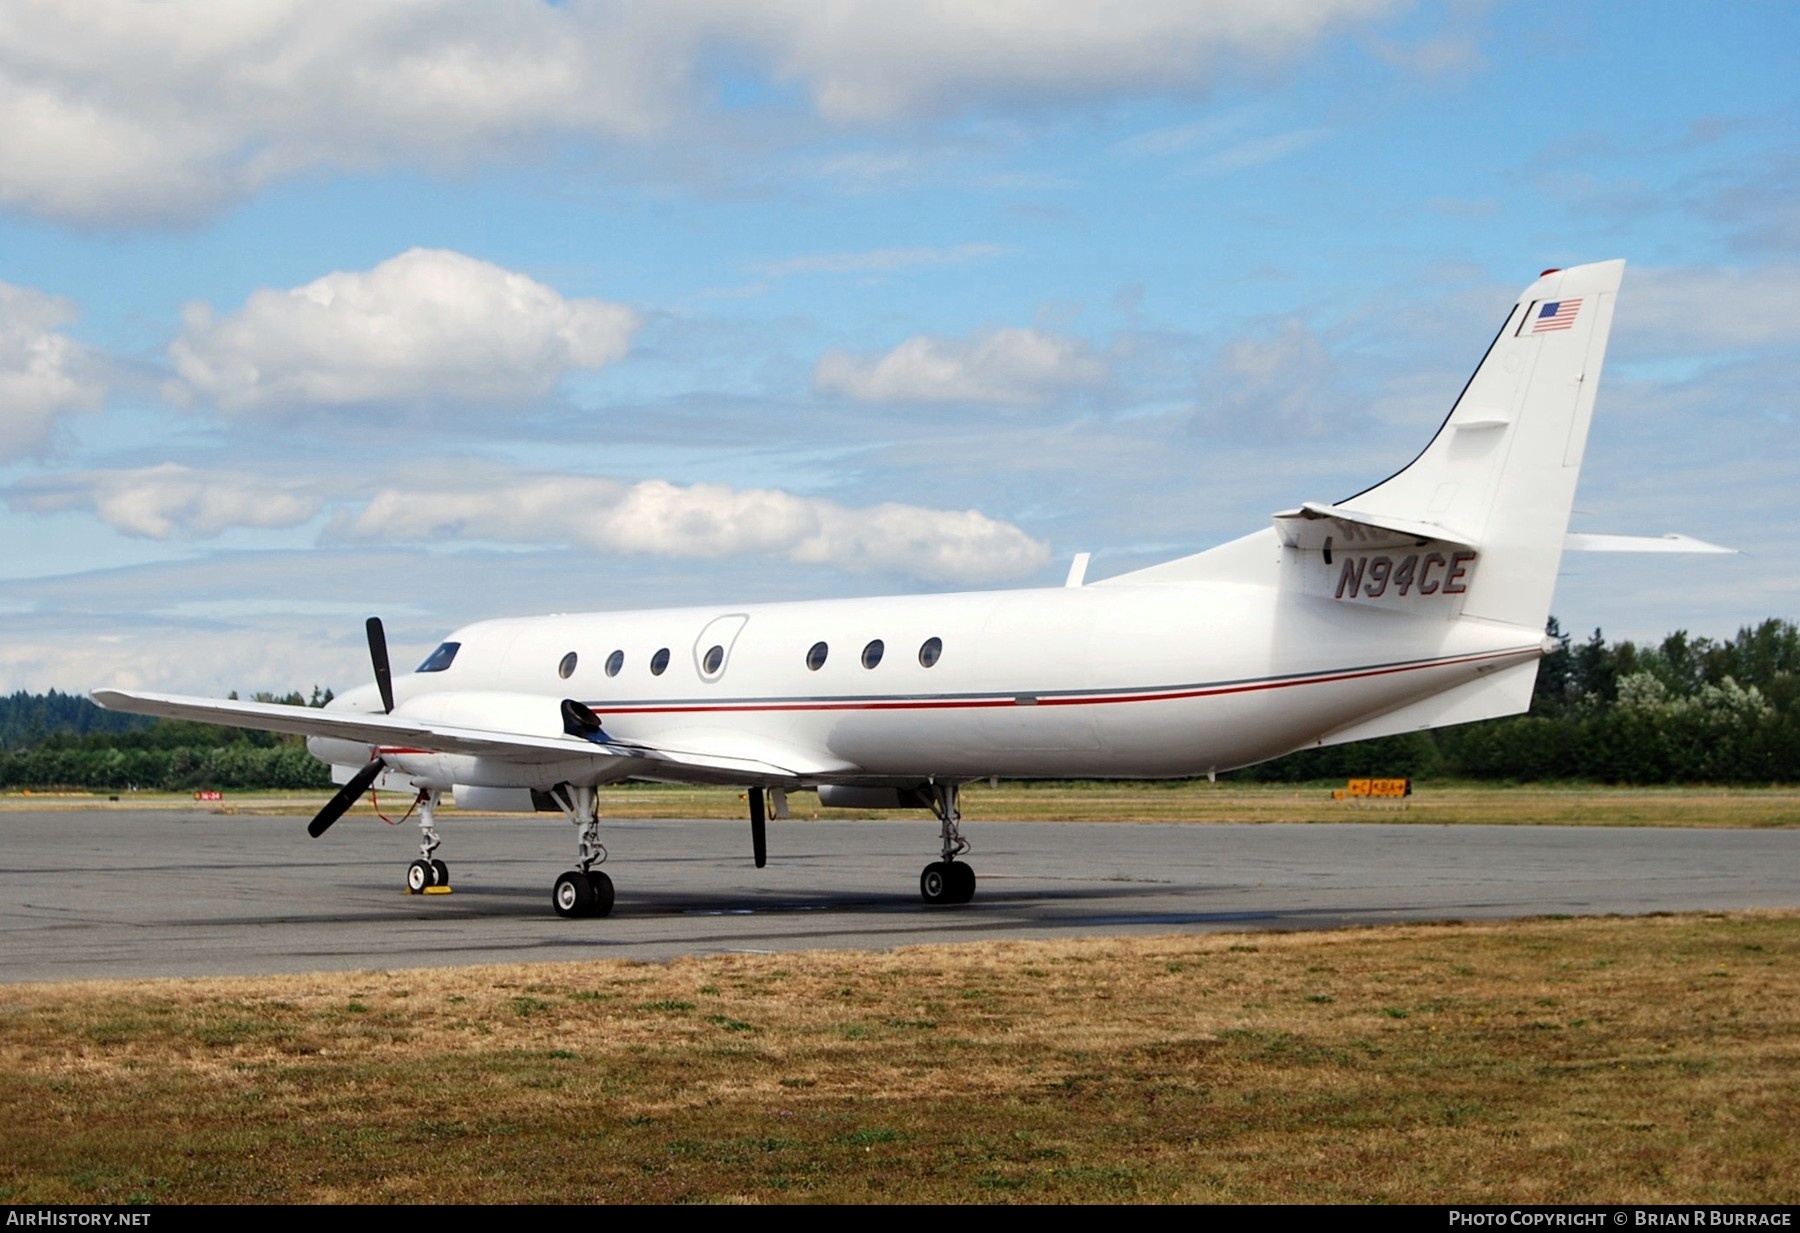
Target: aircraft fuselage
{"x": 1090, "y": 682}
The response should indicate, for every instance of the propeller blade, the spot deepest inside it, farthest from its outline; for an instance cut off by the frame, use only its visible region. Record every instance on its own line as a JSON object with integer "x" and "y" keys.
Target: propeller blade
{"x": 346, "y": 797}
{"x": 759, "y": 839}
{"x": 384, "y": 676}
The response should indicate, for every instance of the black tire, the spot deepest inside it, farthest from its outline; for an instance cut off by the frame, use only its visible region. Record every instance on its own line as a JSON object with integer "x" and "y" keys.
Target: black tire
{"x": 573, "y": 895}
{"x": 441, "y": 873}
{"x": 420, "y": 875}
{"x": 934, "y": 883}
{"x": 962, "y": 882}
{"x": 603, "y": 893}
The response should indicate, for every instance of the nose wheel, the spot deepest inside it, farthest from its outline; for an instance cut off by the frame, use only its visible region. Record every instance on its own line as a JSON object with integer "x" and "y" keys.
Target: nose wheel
{"x": 428, "y": 872}
{"x": 422, "y": 875}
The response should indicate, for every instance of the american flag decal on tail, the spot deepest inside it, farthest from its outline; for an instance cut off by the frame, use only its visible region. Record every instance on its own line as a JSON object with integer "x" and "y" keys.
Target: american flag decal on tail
{"x": 1555, "y": 315}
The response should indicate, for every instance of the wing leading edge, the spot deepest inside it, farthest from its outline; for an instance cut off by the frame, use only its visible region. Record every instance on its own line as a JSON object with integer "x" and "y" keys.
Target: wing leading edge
{"x": 629, "y": 759}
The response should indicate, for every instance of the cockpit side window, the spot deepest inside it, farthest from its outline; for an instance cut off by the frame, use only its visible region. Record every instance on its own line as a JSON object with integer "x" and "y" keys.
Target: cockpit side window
{"x": 441, "y": 658}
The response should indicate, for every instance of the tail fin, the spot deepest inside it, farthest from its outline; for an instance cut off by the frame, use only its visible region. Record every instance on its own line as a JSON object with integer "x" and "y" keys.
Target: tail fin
{"x": 1475, "y": 525}
{"x": 1501, "y": 472}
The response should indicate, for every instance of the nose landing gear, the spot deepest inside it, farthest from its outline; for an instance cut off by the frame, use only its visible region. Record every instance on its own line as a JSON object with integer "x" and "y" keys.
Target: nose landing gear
{"x": 428, "y": 874}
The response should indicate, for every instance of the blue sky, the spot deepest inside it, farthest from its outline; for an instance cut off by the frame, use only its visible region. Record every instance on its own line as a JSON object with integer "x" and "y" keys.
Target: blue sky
{"x": 452, "y": 310}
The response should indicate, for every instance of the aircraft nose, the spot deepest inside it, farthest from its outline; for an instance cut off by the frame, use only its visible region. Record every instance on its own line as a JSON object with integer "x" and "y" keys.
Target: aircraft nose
{"x": 363, "y": 700}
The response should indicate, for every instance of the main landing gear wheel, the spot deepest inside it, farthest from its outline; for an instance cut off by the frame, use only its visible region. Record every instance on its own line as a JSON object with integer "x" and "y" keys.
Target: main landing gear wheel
{"x": 440, "y": 873}
{"x": 962, "y": 881}
{"x": 584, "y": 890}
{"x": 578, "y": 894}
{"x": 947, "y": 882}
{"x": 603, "y": 893}
{"x": 420, "y": 875}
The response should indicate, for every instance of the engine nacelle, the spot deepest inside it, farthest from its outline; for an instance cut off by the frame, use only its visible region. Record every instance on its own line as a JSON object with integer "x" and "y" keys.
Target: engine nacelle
{"x": 490, "y": 710}
{"x": 839, "y": 796}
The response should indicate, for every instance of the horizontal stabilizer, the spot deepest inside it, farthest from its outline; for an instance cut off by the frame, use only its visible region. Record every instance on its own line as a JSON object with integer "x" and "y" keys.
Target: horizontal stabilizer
{"x": 1577, "y": 541}
{"x": 1316, "y": 526}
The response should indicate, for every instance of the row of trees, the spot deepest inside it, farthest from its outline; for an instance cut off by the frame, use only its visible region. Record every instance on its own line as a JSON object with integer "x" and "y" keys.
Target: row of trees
{"x": 29, "y": 719}
{"x": 1690, "y": 710}
{"x": 58, "y": 740}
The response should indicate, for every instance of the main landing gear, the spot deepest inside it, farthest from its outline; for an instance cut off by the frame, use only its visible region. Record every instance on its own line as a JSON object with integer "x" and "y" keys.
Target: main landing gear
{"x": 428, "y": 872}
{"x": 584, "y": 890}
{"x": 948, "y": 880}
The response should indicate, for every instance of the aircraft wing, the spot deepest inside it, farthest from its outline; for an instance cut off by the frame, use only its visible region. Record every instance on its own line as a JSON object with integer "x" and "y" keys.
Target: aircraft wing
{"x": 633, "y": 759}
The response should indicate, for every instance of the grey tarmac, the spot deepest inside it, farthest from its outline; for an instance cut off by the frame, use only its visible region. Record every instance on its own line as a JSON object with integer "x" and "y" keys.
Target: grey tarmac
{"x": 104, "y": 894}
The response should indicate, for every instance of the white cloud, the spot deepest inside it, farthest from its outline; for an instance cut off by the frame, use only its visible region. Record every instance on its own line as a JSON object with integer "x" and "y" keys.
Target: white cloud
{"x": 114, "y": 111}
{"x": 1279, "y": 380}
{"x": 1221, "y": 143}
{"x": 117, "y": 111}
{"x": 170, "y": 501}
{"x": 706, "y": 521}
{"x": 428, "y": 324}
{"x": 83, "y": 652}
{"x": 650, "y": 518}
{"x": 1209, "y": 131}
{"x": 1009, "y": 367}
{"x": 1700, "y": 308}
{"x": 876, "y": 261}
{"x": 43, "y": 374}
{"x": 876, "y": 61}
{"x": 1261, "y": 151}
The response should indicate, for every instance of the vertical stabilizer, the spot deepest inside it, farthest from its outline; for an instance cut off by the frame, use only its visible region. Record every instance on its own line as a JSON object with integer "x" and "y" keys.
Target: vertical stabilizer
{"x": 1500, "y": 474}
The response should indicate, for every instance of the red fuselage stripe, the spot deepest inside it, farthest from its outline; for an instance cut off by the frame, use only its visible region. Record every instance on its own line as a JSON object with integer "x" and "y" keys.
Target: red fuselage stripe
{"x": 1100, "y": 699}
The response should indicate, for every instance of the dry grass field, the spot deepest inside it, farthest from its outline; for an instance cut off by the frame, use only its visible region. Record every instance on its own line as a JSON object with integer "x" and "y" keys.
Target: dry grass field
{"x": 1199, "y": 801}
{"x": 1617, "y": 1060}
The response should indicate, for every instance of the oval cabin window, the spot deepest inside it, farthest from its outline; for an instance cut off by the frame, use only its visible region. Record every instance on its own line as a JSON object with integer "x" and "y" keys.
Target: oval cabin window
{"x": 815, "y": 658}
{"x": 715, "y": 659}
{"x": 659, "y": 662}
{"x": 928, "y": 654}
{"x": 872, "y": 653}
{"x": 614, "y": 662}
{"x": 566, "y": 668}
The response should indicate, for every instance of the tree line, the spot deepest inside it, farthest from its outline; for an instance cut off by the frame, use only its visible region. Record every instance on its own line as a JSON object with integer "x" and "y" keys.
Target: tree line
{"x": 1689, "y": 710}
{"x": 63, "y": 741}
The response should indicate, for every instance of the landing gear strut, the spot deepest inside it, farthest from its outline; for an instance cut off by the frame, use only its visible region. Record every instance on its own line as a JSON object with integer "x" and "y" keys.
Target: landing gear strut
{"x": 427, "y": 871}
{"x": 584, "y": 890}
{"x": 948, "y": 880}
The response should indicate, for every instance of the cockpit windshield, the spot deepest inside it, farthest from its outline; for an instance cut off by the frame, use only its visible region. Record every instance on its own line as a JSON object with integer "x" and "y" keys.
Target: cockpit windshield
{"x": 441, "y": 658}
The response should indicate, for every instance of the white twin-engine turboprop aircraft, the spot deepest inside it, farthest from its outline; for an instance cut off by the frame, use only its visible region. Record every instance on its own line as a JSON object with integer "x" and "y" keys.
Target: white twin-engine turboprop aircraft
{"x": 1418, "y": 602}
